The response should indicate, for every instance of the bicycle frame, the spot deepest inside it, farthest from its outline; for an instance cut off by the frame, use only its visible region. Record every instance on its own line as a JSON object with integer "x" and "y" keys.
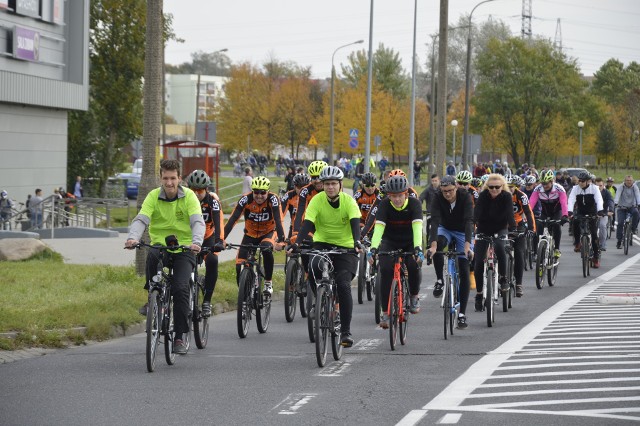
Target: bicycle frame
{"x": 450, "y": 301}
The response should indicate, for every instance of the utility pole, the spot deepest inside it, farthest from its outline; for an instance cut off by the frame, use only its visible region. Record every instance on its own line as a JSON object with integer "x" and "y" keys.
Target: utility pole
{"x": 442, "y": 87}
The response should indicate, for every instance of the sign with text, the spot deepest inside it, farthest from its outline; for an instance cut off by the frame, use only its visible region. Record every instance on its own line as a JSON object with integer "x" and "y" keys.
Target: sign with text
{"x": 26, "y": 44}
{"x": 28, "y": 8}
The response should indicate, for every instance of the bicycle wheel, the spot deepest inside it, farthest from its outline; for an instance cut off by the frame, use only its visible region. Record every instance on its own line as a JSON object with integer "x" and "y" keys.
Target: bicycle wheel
{"x": 376, "y": 303}
{"x": 263, "y": 309}
{"x": 404, "y": 320}
{"x": 322, "y": 323}
{"x": 626, "y": 237}
{"x": 290, "y": 296}
{"x": 311, "y": 316}
{"x": 243, "y": 313}
{"x": 186, "y": 337}
{"x": 532, "y": 252}
{"x": 394, "y": 314}
{"x": 362, "y": 277}
{"x": 446, "y": 306}
{"x": 153, "y": 330}
{"x": 552, "y": 267}
{"x": 370, "y": 283}
{"x": 505, "y": 294}
{"x": 200, "y": 322}
{"x": 169, "y": 355}
{"x": 584, "y": 254}
{"x": 527, "y": 249}
{"x": 609, "y": 227}
{"x": 488, "y": 302}
{"x": 301, "y": 288}
{"x": 336, "y": 345}
{"x": 541, "y": 263}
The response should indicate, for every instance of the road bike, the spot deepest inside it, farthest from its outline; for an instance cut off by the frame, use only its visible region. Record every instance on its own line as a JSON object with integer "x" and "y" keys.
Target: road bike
{"x": 196, "y": 299}
{"x": 294, "y": 288}
{"x": 326, "y": 310}
{"x": 366, "y": 275}
{"x": 160, "y": 316}
{"x": 627, "y": 232}
{"x": 546, "y": 260}
{"x": 490, "y": 290}
{"x": 251, "y": 295}
{"x": 450, "y": 301}
{"x": 509, "y": 248}
{"x": 399, "y": 298}
{"x": 586, "y": 250}
{"x": 529, "y": 251}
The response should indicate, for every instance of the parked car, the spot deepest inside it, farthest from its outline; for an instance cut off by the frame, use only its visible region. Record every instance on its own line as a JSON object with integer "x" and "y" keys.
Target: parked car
{"x": 574, "y": 171}
{"x": 137, "y": 167}
{"x": 133, "y": 182}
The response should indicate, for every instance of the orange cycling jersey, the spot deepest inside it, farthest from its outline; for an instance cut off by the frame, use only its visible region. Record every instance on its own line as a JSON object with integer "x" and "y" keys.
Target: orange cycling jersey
{"x": 212, "y": 215}
{"x": 259, "y": 219}
{"x": 365, "y": 202}
{"x": 289, "y": 202}
{"x": 522, "y": 210}
{"x": 304, "y": 198}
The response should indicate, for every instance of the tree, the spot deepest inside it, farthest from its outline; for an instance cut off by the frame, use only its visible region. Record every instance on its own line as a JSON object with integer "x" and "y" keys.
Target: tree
{"x": 207, "y": 63}
{"x": 606, "y": 144}
{"x": 523, "y": 85}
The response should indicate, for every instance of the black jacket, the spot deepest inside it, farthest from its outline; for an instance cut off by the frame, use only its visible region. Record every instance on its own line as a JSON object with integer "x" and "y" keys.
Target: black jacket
{"x": 459, "y": 219}
{"x": 494, "y": 214}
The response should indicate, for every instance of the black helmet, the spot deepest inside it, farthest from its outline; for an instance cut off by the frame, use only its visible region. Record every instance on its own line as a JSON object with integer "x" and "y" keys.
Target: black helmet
{"x": 198, "y": 179}
{"x": 584, "y": 176}
{"x": 397, "y": 184}
{"x": 368, "y": 179}
{"x": 301, "y": 179}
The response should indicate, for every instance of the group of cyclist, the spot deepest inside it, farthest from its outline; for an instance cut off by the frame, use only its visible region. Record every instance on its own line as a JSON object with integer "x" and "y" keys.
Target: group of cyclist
{"x": 389, "y": 215}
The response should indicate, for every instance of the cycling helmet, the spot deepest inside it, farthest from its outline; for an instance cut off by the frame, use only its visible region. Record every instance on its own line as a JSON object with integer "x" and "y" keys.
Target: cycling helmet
{"x": 368, "y": 179}
{"x": 584, "y": 176}
{"x": 484, "y": 178}
{"x": 260, "y": 182}
{"x": 397, "y": 184}
{"x": 530, "y": 180}
{"x": 511, "y": 179}
{"x": 609, "y": 179}
{"x": 546, "y": 176}
{"x": 447, "y": 181}
{"x": 301, "y": 179}
{"x": 397, "y": 172}
{"x": 331, "y": 173}
{"x": 316, "y": 167}
{"x": 475, "y": 182}
{"x": 464, "y": 176}
{"x": 198, "y": 179}
{"x": 383, "y": 187}
{"x": 519, "y": 180}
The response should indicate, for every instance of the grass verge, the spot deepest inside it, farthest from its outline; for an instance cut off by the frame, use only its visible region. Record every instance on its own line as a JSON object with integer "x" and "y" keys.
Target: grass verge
{"x": 46, "y": 301}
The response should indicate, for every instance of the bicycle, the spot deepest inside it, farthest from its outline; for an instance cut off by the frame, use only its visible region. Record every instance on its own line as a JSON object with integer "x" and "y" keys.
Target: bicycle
{"x": 509, "y": 248}
{"x": 399, "y": 298}
{"x": 160, "y": 317}
{"x": 529, "y": 251}
{"x": 610, "y": 226}
{"x": 196, "y": 297}
{"x": 546, "y": 261}
{"x": 426, "y": 229}
{"x": 251, "y": 295}
{"x": 450, "y": 301}
{"x": 490, "y": 291}
{"x": 294, "y": 288}
{"x": 326, "y": 311}
{"x": 586, "y": 251}
{"x": 365, "y": 277}
{"x": 627, "y": 234}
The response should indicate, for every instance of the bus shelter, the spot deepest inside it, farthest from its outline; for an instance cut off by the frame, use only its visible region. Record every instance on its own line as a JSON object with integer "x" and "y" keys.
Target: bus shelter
{"x": 194, "y": 155}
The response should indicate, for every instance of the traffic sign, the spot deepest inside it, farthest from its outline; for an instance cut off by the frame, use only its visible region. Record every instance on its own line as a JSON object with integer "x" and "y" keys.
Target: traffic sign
{"x": 312, "y": 140}
{"x": 353, "y": 143}
{"x": 377, "y": 140}
{"x": 353, "y": 133}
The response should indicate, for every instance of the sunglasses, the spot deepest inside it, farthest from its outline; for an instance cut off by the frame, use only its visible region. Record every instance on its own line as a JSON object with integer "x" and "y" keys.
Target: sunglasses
{"x": 260, "y": 192}
{"x": 582, "y": 180}
{"x": 200, "y": 190}
{"x": 463, "y": 183}
{"x": 494, "y": 186}
{"x": 369, "y": 186}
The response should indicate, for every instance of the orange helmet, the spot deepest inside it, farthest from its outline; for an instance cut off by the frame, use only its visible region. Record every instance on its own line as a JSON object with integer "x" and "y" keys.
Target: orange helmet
{"x": 397, "y": 172}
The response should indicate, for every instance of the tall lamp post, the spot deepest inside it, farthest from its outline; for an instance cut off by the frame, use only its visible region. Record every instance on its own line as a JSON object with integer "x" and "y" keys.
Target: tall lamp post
{"x": 467, "y": 86}
{"x": 454, "y": 124}
{"x": 333, "y": 78}
{"x": 580, "y": 126}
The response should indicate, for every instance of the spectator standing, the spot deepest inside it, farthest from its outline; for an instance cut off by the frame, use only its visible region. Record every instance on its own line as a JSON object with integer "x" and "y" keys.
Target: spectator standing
{"x": 77, "y": 189}
{"x": 36, "y": 206}
{"x": 6, "y": 204}
{"x": 451, "y": 169}
{"x": 382, "y": 165}
{"x": 246, "y": 181}
{"x": 479, "y": 170}
{"x": 288, "y": 179}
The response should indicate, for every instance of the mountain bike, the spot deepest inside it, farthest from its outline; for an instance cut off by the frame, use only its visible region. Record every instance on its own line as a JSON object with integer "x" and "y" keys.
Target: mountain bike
{"x": 196, "y": 297}
{"x": 490, "y": 290}
{"x": 294, "y": 288}
{"x": 627, "y": 232}
{"x": 546, "y": 261}
{"x": 399, "y": 298}
{"x": 366, "y": 275}
{"x": 586, "y": 251}
{"x": 450, "y": 301}
{"x": 160, "y": 317}
{"x": 326, "y": 312}
{"x": 251, "y": 295}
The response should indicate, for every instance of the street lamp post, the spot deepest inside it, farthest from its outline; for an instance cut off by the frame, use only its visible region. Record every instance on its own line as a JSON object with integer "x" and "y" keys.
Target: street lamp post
{"x": 467, "y": 86}
{"x": 454, "y": 124}
{"x": 413, "y": 96}
{"x": 333, "y": 78}
{"x": 580, "y": 126}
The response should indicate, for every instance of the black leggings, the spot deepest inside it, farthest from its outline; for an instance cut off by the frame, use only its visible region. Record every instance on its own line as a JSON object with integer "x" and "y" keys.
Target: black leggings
{"x": 211, "y": 274}
{"x": 463, "y": 270}
{"x": 480, "y": 250}
{"x": 265, "y": 242}
{"x": 386, "y": 272}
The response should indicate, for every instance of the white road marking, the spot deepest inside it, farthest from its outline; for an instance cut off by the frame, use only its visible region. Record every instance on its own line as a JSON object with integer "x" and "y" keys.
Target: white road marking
{"x": 366, "y": 344}
{"x": 294, "y": 402}
{"x": 450, "y": 419}
{"x": 337, "y": 368}
{"x": 412, "y": 418}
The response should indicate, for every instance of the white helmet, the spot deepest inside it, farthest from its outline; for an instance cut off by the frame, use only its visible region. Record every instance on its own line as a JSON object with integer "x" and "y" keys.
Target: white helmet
{"x": 331, "y": 173}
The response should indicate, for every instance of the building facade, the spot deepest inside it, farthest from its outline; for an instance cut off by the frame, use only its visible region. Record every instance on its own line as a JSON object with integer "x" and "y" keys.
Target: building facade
{"x": 44, "y": 73}
{"x": 181, "y": 91}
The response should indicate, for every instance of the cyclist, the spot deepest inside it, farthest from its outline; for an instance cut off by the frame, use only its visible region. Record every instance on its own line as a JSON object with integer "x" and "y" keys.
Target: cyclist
{"x": 398, "y": 226}
{"x": 628, "y": 200}
{"x": 607, "y": 202}
{"x": 524, "y": 222}
{"x": 452, "y": 220}
{"x": 493, "y": 214}
{"x": 289, "y": 200}
{"x": 588, "y": 201}
{"x": 198, "y": 181}
{"x": 171, "y": 211}
{"x": 334, "y": 220}
{"x": 463, "y": 180}
{"x": 308, "y": 192}
{"x": 611, "y": 187}
{"x": 262, "y": 219}
{"x": 366, "y": 196}
{"x": 553, "y": 205}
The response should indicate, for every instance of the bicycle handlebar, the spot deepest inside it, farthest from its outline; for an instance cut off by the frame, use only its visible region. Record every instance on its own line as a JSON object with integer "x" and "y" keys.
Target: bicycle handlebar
{"x": 491, "y": 238}
{"x": 230, "y": 246}
{"x": 142, "y": 244}
{"x": 333, "y": 250}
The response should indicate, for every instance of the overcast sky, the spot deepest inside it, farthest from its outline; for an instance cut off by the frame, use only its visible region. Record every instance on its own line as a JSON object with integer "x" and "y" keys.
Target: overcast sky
{"x": 308, "y": 32}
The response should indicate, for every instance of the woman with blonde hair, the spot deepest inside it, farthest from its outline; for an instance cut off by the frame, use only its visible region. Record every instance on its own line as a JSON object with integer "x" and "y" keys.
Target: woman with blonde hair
{"x": 493, "y": 214}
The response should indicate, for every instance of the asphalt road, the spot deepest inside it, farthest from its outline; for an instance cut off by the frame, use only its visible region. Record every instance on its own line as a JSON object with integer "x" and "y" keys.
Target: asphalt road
{"x": 557, "y": 357}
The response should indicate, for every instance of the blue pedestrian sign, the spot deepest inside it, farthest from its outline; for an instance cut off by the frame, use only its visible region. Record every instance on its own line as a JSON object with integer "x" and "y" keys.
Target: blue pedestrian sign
{"x": 353, "y": 133}
{"x": 353, "y": 143}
